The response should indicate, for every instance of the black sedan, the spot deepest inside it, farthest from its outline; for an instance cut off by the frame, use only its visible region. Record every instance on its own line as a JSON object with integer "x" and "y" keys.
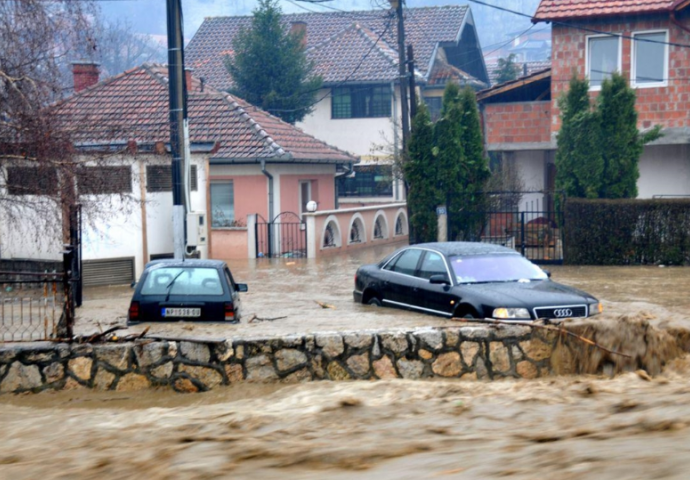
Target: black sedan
{"x": 198, "y": 290}
{"x": 471, "y": 280}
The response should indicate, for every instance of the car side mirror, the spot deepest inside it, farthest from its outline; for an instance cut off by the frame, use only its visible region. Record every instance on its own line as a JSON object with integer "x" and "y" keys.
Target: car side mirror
{"x": 548, "y": 274}
{"x": 439, "y": 280}
{"x": 242, "y": 287}
{"x": 133, "y": 284}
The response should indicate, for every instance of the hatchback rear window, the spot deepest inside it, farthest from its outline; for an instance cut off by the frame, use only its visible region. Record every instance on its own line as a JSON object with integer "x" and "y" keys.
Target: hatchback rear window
{"x": 182, "y": 281}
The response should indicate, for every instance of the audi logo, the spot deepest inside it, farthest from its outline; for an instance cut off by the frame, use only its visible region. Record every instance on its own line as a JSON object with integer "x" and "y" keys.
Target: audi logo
{"x": 563, "y": 312}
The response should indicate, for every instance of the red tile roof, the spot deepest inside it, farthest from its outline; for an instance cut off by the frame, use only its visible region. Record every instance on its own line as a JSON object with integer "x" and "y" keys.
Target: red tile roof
{"x": 425, "y": 28}
{"x": 573, "y": 9}
{"x": 442, "y": 72}
{"x": 526, "y": 69}
{"x": 133, "y": 106}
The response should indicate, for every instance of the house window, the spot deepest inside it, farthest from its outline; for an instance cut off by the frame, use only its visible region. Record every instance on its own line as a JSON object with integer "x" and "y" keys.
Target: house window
{"x": 31, "y": 181}
{"x": 159, "y": 178}
{"x": 222, "y": 205}
{"x": 434, "y": 105}
{"x": 362, "y": 101}
{"x": 603, "y": 58}
{"x": 369, "y": 181}
{"x": 650, "y": 59}
{"x": 104, "y": 180}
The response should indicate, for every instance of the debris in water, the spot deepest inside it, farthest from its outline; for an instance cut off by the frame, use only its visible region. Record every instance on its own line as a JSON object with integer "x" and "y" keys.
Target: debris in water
{"x": 324, "y": 305}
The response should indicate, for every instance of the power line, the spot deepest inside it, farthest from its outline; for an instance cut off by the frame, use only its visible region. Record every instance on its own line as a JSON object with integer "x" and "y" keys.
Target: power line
{"x": 580, "y": 27}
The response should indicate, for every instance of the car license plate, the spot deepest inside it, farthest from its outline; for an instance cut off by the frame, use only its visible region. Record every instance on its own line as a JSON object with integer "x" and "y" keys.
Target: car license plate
{"x": 181, "y": 312}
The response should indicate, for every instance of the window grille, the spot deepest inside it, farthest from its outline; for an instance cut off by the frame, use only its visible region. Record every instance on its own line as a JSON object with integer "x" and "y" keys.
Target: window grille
{"x": 372, "y": 181}
{"x": 361, "y": 101}
{"x": 159, "y": 178}
{"x": 104, "y": 180}
{"x": 32, "y": 181}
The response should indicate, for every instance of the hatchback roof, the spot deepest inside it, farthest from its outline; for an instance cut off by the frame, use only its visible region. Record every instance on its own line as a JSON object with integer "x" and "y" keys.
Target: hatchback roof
{"x": 188, "y": 263}
{"x": 467, "y": 248}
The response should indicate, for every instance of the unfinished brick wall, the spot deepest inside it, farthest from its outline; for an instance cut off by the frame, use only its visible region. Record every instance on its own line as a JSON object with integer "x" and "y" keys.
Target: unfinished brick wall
{"x": 522, "y": 122}
{"x": 668, "y": 106}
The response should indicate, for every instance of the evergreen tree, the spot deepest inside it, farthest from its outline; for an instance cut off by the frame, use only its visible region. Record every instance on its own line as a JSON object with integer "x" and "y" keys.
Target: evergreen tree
{"x": 269, "y": 67}
{"x": 420, "y": 175}
{"x": 507, "y": 69}
{"x": 579, "y": 162}
{"x": 622, "y": 143}
{"x": 449, "y": 156}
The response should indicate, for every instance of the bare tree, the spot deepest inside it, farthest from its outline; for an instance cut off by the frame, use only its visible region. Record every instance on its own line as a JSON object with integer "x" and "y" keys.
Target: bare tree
{"x": 39, "y": 165}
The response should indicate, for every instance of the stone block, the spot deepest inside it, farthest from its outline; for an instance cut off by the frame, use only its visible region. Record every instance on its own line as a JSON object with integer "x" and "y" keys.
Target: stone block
{"x": 260, "y": 369}
{"x": 234, "y": 373}
{"x": 337, "y": 372}
{"x": 195, "y": 351}
{"x": 411, "y": 369}
{"x": 117, "y": 356}
{"x": 447, "y": 365}
{"x": 511, "y": 331}
{"x": 359, "y": 364}
{"x": 103, "y": 379}
{"x": 289, "y": 358}
{"x": 500, "y": 361}
{"x": 81, "y": 349}
{"x": 62, "y": 350}
{"x": 358, "y": 340}
{"x": 395, "y": 342}
{"x": 8, "y": 355}
{"x": 302, "y": 375}
{"x": 527, "y": 370}
{"x": 293, "y": 341}
{"x": 425, "y": 354}
{"x": 54, "y": 372}
{"x": 149, "y": 354}
{"x": 376, "y": 349}
{"x": 239, "y": 352}
{"x": 81, "y": 368}
{"x": 475, "y": 332}
{"x": 21, "y": 377}
{"x": 469, "y": 351}
{"x": 40, "y": 357}
{"x": 535, "y": 349}
{"x": 331, "y": 344}
{"x": 162, "y": 371}
{"x": 480, "y": 369}
{"x": 72, "y": 384}
{"x": 185, "y": 385}
{"x": 432, "y": 339}
{"x": 208, "y": 376}
{"x": 224, "y": 351}
{"x": 452, "y": 338}
{"x": 172, "y": 349}
{"x": 317, "y": 367}
{"x": 384, "y": 369}
{"x": 132, "y": 382}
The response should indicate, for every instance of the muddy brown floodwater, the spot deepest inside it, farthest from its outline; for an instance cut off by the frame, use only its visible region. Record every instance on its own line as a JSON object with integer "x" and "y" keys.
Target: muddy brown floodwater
{"x": 581, "y": 427}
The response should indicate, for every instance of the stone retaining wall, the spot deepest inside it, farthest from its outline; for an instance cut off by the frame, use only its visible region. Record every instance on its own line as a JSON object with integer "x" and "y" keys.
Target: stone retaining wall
{"x": 468, "y": 352}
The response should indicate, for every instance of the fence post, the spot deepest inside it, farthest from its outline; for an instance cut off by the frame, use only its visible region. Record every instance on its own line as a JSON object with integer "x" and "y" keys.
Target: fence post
{"x": 67, "y": 327}
{"x": 252, "y": 235}
{"x": 522, "y": 233}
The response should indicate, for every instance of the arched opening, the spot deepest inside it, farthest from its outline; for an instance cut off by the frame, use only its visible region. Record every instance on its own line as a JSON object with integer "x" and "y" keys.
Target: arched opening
{"x": 357, "y": 231}
{"x": 401, "y": 223}
{"x": 380, "y": 227}
{"x": 331, "y": 234}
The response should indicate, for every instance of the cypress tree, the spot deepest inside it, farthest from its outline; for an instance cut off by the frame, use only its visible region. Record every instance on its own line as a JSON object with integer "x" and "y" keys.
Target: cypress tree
{"x": 420, "y": 174}
{"x": 579, "y": 162}
{"x": 269, "y": 67}
{"x": 622, "y": 144}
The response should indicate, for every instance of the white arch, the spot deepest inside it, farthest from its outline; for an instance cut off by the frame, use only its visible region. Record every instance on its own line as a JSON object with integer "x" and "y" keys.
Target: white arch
{"x": 335, "y": 230}
{"x": 385, "y": 233}
{"x": 357, "y": 218}
{"x": 401, "y": 213}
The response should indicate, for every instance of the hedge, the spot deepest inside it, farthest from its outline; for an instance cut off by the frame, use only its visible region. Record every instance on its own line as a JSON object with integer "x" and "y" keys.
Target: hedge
{"x": 627, "y": 232}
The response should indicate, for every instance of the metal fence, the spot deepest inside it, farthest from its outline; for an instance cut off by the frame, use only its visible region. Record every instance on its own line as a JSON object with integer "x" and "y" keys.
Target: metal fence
{"x": 285, "y": 236}
{"x": 33, "y": 306}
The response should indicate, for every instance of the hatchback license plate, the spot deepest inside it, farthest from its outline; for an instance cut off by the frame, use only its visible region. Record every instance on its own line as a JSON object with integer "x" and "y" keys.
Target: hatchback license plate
{"x": 181, "y": 312}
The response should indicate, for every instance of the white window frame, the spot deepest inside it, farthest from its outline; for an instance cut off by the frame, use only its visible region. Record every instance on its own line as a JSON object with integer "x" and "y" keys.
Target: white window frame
{"x": 633, "y": 61}
{"x": 619, "y": 67}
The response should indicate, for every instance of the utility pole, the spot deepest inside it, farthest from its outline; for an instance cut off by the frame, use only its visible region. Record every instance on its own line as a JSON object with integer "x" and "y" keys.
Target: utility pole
{"x": 413, "y": 83}
{"x": 398, "y": 6}
{"x": 178, "y": 117}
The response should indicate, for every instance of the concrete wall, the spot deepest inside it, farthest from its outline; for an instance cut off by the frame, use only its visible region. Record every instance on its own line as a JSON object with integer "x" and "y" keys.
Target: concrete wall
{"x": 341, "y": 223}
{"x": 664, "y": 170}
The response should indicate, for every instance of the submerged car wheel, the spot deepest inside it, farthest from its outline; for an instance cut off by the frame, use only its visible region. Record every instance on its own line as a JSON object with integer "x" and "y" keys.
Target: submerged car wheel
{"x": 374, "y": 301}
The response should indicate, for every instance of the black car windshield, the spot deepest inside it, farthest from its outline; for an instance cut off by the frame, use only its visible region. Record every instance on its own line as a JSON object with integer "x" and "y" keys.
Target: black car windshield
{"x": 182, "y": 281}
{"x": 495, "y": 268}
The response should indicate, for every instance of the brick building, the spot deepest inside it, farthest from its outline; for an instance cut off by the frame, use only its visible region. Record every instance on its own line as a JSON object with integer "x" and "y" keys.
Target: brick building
{"x": 648, "y": 41}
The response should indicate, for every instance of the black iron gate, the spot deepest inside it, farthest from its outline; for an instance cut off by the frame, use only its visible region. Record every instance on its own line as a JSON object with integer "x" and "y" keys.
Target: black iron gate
{"x": 284, "y": 236}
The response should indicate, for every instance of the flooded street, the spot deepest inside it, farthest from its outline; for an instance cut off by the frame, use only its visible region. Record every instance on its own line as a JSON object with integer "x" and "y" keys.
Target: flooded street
{"x": 576, "y": 427}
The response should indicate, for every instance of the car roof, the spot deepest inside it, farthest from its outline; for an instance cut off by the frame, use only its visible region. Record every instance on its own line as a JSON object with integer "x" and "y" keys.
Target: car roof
{"x": 188, "y": 263}
{"x": 467, "y": 248}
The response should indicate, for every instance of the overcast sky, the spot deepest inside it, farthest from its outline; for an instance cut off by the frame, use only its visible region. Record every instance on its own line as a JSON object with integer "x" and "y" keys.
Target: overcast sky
{"x": 148, "y": 16}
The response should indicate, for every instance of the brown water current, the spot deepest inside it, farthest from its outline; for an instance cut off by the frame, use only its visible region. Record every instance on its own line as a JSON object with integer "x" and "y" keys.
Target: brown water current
{"x": 630, "y": 425}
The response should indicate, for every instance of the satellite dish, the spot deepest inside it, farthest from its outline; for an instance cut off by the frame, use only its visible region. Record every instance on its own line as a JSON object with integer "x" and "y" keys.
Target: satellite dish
{"x": 311, "y": 206}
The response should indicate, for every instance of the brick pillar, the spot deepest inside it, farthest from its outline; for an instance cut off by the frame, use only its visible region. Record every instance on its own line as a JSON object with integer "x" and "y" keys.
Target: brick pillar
{"x": 188, "y": 78}
{"x": 84, "y": 74}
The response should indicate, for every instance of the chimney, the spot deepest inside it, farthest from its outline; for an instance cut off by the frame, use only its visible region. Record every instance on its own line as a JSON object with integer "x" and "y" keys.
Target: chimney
{"x": 188, "y": 78}
{"x": 300, "y": 28}
{"x": 85, "y": 74}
